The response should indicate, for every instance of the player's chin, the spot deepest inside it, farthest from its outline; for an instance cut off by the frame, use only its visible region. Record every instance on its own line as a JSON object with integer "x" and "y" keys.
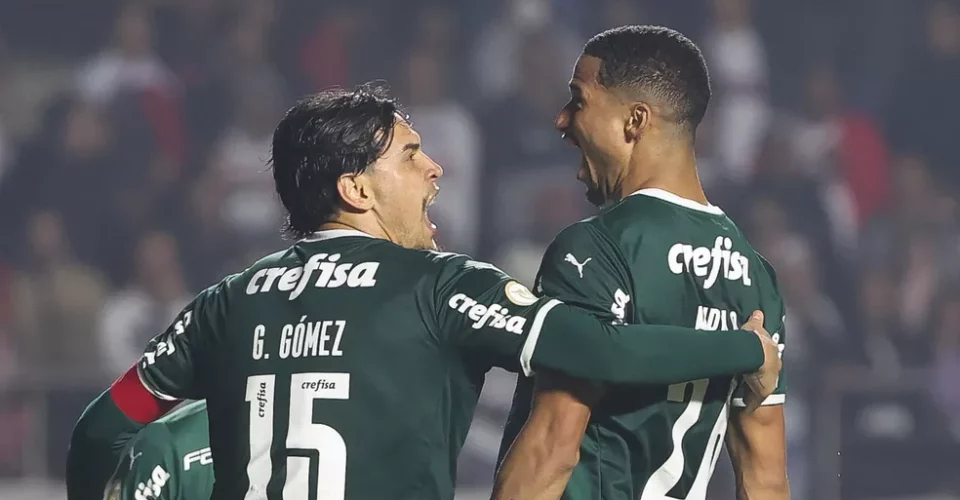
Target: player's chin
{"x": 595, "y": 197}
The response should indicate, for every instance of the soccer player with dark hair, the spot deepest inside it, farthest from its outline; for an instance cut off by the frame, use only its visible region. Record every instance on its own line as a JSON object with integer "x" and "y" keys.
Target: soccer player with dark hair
{"x": 350, "y": 364}
{"x": 658, "y": 253}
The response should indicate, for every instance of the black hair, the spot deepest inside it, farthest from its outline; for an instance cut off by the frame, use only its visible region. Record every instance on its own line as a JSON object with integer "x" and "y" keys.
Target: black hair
{"x": 321, "y": 138}
{"x": 658, "y": 62}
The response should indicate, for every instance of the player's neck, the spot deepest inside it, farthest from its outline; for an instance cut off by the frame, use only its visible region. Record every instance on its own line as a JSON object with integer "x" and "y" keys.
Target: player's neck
{"x": 355, "y": 224}
{"x": 673, "y": 171}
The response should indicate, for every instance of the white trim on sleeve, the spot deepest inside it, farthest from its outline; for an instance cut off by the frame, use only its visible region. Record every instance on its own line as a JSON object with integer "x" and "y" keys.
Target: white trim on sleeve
{"x": 526, "y": 354}
{"x": 155, "y": 392}
{"x": 772, "y": 400}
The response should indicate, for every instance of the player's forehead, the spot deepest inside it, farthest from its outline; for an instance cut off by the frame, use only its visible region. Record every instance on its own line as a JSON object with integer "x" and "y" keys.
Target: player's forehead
{"x": 585, "y": 74}
{"x": 403, "y": 136}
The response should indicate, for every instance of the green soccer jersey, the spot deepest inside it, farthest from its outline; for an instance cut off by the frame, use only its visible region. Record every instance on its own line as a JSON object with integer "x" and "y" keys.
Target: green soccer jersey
{"x": 349, "y": 367}
{"x": 168, "y": 459}
{"x": 655, "y": 258}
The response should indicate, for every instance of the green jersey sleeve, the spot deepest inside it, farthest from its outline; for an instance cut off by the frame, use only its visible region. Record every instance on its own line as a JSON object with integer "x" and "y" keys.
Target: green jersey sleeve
{"x": 148, "y": 468}
{"x": 778, "y": 330}
{"x": 483, "y": 312}
{"x": 171, "y": 367}
{"x": 584, "y": 269}
{"x": 775, "y": 315}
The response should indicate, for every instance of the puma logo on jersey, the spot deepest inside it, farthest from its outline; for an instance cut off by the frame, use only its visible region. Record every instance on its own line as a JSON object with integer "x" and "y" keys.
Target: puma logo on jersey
{"x": 579, "y": 265}
{"x": 134, "y": 457}
{"x": 619, "y": 307}
{"x": 710, "y": 263}
{"x": 202, "y": 456}
{"x": 332, "y": 275}
{"x": 152, "y": 488}
{"x": 497, "y": 315}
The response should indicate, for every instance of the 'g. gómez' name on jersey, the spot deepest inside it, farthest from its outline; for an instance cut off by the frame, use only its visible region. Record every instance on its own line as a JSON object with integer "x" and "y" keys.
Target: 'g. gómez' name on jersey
{"x": 332, "y": 275}
{"x": 302, "y": 339}
{"x": 710, "y": 262}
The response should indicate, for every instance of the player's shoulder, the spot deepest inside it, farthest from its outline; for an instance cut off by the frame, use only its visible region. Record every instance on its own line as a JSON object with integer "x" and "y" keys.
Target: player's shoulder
{"x": 448, "y": 266}
{"x": 767, "y": 277}
{"x": 152, "y": 445}
{"x": 187, "y": 417}
{"x": 588, "y": 233}
{"x": 624, "y": 221}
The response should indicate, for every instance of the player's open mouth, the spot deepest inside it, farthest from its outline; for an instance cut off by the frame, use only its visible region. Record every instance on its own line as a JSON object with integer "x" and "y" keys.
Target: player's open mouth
{"x": 567, "y": 136}
{"x": 426, "y": 212}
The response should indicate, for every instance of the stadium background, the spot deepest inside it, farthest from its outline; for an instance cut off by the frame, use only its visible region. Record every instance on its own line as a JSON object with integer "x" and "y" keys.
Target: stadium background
{"x": 133, "y": 137}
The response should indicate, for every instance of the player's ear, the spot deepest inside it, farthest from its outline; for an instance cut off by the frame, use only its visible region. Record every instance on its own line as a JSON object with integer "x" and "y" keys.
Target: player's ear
{"x": 355, "y": 191}
{"x": 638, "y": 121}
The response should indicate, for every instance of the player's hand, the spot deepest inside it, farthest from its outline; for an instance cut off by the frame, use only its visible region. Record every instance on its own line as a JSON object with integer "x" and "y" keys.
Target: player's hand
{"x": 763, "y": 382}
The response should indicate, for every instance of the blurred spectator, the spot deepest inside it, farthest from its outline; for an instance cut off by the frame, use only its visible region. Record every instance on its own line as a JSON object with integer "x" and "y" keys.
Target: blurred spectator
{"x": 452, "y": 138}
{"x": 130, "y": 64}
{"x": 144, "y": 307}
{"x": 886, "y": 348}
{"x": 815, "y": 324}
{"x": 436, "y": 28}
{"x": 499, "y": 61}
{"x": 324, "y": 56}
{"x": 23, "y": 184}
{"x": 5, "y": 153}
{"x": 237, "y": 180}
{"x": 614, "y": 13}
{"x": 946, "y": 373}
{"x": 55, "y": 300}
{"x": 738, "y": 69}
{"x": 844, "y": 152}
{"x": 924, "y": 105}
{"x": 73, "y": 167}
{"x": 191, "y": 34}
{"x": 248, "y": 56}
{"x": 779, "y": 177}
{"x": 919, "y": 207}
{"x": 189, "y": 38}
{"x": 519, "y": 127}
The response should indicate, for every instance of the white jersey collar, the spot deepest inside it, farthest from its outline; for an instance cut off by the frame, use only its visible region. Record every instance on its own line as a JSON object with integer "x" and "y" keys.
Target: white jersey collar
{"x": 330, "y": 234}
{"x": 669, "y": 197}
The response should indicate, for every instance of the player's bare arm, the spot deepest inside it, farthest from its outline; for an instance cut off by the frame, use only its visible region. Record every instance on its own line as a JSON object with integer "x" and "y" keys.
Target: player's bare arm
{"x": 756, "y": 442}
{"x": 541, "y": 460}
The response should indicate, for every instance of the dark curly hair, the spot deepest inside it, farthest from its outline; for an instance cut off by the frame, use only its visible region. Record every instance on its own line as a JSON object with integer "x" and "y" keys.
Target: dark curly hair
{"x": 322, "y": 137}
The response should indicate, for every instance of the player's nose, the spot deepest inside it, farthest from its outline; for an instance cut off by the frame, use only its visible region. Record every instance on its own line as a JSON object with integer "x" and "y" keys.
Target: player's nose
{"x": 562, "y": 122}
{"x": 434, "y": 170}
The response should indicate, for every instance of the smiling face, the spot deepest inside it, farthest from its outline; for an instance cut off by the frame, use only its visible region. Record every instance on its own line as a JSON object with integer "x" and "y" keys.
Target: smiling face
{"x": 403, "y": 184}
{"x": 594, "y": 120}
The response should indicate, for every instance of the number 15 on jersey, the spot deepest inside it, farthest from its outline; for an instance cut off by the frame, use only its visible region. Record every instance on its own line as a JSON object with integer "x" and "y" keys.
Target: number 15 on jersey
{"x": 316, "y": 453}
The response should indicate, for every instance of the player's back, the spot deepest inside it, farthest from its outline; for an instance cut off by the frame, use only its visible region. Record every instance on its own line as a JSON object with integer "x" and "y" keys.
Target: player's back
{"x": 655, "y": 258}
{"x": 689, "y": 265}
{"x": 328, "y": 382}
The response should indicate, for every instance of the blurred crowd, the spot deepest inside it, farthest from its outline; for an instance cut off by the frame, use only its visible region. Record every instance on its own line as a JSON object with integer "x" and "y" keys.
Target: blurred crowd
{"x": 134, "y": 139}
